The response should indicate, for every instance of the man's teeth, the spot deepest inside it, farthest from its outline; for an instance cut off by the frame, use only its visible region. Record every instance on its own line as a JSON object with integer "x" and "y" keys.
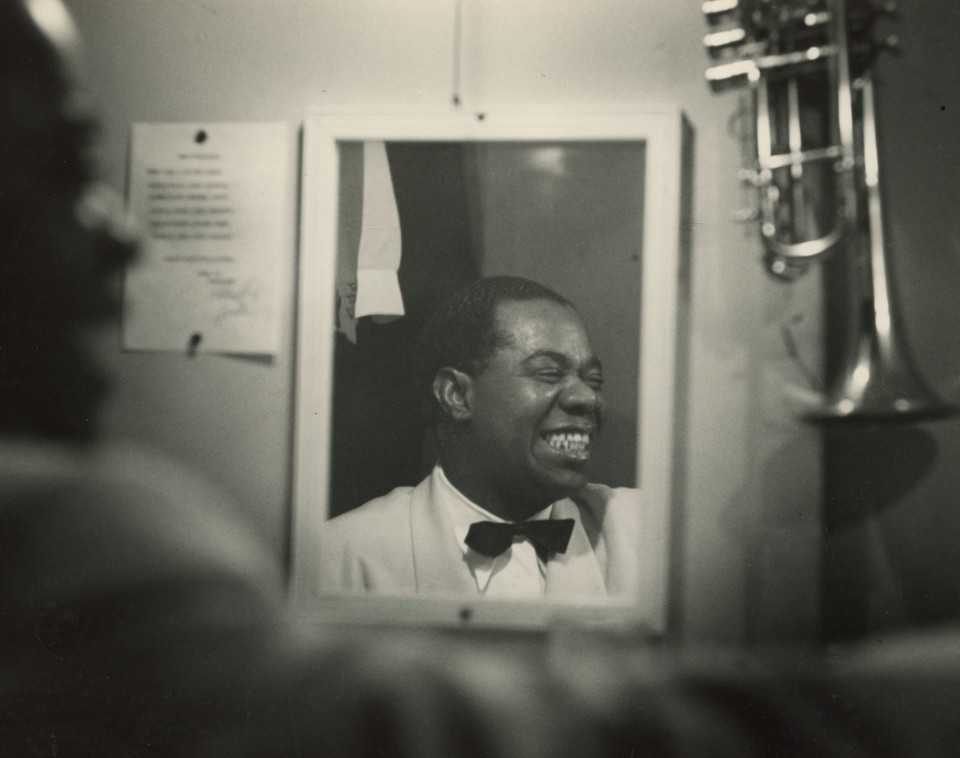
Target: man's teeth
{"x": 577, "y": 442}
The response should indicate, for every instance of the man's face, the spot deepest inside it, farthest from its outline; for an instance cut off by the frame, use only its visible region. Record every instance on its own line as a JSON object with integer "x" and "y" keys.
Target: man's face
{"x": 536, "y": 406}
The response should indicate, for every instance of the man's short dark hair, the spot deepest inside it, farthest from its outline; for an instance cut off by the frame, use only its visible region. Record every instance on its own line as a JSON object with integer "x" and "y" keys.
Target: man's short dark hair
{"x": 462, "y": 332}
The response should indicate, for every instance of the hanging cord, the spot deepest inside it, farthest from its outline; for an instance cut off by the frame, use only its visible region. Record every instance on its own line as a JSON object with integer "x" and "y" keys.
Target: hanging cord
{"x": 457, "y": 50}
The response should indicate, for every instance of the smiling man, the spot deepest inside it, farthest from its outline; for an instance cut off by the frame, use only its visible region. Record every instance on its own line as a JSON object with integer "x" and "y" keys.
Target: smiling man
{"x": 513, "y": 390}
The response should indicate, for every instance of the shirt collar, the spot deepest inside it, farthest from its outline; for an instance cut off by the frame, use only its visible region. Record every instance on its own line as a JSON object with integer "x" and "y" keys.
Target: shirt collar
{"x": 463, "y": 512}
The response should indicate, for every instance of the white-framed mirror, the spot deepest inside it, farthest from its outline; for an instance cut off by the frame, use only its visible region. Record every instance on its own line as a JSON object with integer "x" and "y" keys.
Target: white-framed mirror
{"x": 586, "y": 202}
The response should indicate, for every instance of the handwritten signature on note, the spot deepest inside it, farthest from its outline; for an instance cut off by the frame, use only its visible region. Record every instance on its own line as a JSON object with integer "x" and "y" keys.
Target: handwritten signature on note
{"x": 236, "y": 299}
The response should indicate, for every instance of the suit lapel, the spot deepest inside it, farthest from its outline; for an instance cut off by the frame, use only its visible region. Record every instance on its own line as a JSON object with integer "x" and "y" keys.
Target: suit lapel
{"x": 438, "y": 561}
{"x": 575, "y": 573}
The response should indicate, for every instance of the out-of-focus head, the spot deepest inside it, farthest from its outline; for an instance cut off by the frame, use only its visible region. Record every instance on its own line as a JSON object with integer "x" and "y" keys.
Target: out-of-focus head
{"x": 60, "y": 251}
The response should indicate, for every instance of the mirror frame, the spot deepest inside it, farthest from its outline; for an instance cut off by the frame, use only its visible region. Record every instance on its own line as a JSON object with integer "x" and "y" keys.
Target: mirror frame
{"x": 665, "y": 133}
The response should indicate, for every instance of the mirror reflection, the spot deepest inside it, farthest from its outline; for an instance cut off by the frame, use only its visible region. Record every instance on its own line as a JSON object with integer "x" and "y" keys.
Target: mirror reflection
{"x": 524, "y": 387}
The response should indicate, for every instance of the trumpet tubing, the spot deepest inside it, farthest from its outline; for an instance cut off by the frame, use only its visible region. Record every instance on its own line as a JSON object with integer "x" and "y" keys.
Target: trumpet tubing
{"x": 817, "y": 172}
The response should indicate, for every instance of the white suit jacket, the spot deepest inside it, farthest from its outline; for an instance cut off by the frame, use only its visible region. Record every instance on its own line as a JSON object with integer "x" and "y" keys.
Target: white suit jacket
{"x": 404, "y": 543}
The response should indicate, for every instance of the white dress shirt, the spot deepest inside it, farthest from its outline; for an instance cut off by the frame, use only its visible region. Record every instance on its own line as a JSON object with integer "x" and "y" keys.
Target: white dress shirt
{"x": 516, "y": 573}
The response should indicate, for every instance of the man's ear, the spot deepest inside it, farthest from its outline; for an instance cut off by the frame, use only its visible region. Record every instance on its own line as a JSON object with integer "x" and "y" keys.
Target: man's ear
{"x": 453, "y": 390}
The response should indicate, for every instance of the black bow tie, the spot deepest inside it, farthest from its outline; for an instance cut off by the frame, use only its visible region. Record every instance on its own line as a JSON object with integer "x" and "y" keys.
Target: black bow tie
{"x": 491, "y": 538}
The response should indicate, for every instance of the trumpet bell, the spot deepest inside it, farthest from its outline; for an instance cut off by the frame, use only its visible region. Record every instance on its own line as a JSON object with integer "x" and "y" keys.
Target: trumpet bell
{"x": 880, "y": 385}
{"x": 878, "y": 382}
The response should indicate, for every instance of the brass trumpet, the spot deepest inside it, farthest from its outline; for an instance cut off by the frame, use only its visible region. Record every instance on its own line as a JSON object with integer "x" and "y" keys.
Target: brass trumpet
{"x": 808, "y": 64}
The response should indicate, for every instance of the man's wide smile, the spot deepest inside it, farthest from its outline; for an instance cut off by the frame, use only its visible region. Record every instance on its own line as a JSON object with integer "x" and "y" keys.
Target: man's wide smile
{"x": 574, "y": 444}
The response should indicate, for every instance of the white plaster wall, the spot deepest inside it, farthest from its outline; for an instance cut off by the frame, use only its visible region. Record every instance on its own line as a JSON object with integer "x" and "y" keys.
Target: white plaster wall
{"x": 748, "y": 558}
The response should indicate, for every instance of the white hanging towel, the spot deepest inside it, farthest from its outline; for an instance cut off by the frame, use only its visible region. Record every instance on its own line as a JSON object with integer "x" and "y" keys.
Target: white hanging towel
{"x": 378, "y": 289}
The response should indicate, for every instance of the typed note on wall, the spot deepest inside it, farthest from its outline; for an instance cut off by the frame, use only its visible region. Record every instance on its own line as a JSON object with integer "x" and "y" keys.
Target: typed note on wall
{"x": 214, "y": 202}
